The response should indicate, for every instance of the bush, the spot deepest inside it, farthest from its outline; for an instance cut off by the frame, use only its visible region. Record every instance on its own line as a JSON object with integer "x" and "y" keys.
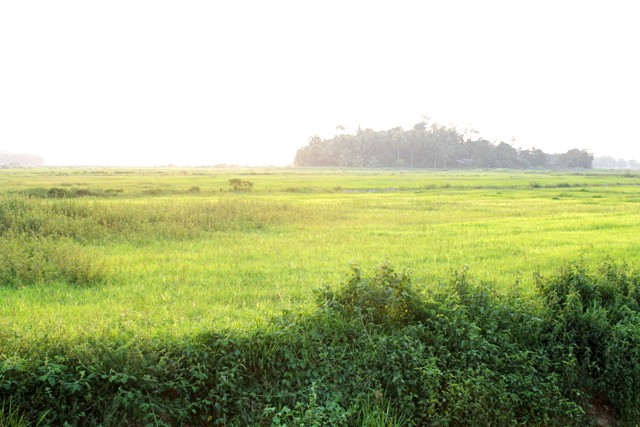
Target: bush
{"x": 376, "y": 351}
{"x": 240, "y": 185}
{"x": 596, "y": 316}
{"x": 386, "y": 298}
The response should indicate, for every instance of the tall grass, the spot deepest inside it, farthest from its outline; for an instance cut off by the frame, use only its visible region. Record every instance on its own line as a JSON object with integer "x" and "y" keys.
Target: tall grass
{"x": 178, "y": 264}
{"x": 135, "y": 220}
{"x": 145, "y": 295}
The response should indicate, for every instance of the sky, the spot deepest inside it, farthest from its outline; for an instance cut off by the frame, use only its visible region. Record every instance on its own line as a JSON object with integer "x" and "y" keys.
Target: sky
{"x": 149, "y": 83}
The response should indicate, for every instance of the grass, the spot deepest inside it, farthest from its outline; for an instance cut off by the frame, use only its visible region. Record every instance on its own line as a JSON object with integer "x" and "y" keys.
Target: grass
{"x": 181, "y": 263}
{"x": 127, "y": 256}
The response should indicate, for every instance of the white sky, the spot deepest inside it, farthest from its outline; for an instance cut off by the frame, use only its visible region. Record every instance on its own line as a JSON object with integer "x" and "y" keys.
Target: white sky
{"x": 127, "y": 82}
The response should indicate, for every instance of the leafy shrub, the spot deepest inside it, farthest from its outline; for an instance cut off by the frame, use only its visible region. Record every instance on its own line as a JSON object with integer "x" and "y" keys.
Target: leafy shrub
{"x": 63, "y": 193}
{"x": 376, "y": 351}
{"x": 596, "y": 316}
{"x": 239, "y": 185}
{"x": 153, "y": 191}
{"x": 386, "y": 298}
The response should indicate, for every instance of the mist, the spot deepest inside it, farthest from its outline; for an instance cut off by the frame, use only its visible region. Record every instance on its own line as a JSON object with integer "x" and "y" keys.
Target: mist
{"x": 156, "y": 83}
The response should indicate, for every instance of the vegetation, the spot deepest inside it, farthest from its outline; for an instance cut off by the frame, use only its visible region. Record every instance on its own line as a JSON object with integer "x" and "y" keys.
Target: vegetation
{"x": 608, "y": 162}
{"x": 140, "y": 300}
{"x": 373, "y": 349}
{"x": 430, "y": 147}
{"x": 8, "y": 159}
{"x": 240, "y": 185}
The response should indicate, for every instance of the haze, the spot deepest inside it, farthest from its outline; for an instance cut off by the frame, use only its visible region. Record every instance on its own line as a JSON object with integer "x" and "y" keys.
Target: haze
{"x": 248, "y": 82}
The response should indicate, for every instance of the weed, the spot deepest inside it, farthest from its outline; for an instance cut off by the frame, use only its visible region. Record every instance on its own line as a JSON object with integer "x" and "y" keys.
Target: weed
{"x": 42, "y": 260}
{"x": 239, "y": 185}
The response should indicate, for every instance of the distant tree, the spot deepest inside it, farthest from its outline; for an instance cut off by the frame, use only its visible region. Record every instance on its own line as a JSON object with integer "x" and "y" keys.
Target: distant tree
{"x": 314, "y": 154}
{"x": 604, "y": 162}
{"x": 428, "y": 146}
{"x": 415, "y": 139}
{"x": 483, "y": 153}
{"x": 397, "y": 137}
{"x": 15, "y": 159}
{"x": 507, "y": 156}
{"x": 608, "y": 162}
{"x": 576, "y": 158}
{"x": 534, "y": 158}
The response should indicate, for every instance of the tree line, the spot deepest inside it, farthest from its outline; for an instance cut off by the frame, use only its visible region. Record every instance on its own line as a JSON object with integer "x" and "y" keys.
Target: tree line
{"x": 429, "y": 146}
{"x": 9, "y": 159}
{"x": 608, "y": 162}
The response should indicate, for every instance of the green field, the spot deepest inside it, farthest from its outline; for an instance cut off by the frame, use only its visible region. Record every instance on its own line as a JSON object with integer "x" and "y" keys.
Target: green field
{"x": 100, "y": 255}
{"x": 171, "y": 271}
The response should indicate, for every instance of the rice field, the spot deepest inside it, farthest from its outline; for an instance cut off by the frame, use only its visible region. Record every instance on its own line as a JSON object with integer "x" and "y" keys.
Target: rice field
{"x": 178, "y": 253}
{"x": 280, "y": 296}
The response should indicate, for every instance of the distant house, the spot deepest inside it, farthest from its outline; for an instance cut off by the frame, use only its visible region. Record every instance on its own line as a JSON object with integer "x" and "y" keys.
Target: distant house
{"x": 465, "y": 162}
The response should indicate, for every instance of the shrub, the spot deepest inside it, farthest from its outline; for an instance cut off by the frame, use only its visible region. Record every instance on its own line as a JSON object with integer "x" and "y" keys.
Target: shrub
{"x": 239, "y": 185}
{"x": 376, "y": 351}
{"x": 596, "y": 316}
{"x": 386, "y": 298}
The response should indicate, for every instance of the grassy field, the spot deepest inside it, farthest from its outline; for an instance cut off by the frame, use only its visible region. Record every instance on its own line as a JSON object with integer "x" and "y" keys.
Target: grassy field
{"x": 181, "y": 253}
{"x": 97, "y": 255}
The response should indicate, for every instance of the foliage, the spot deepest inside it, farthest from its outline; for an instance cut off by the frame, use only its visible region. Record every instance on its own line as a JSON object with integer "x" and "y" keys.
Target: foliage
{"x": 386, "y": 298}
{"x": 596, "y": 317}
{"x": 239, "y": 185}
{"x": 608, "y": 162}
{"x": 432, "y": 146}
{"x": 176, "y": 332}
{"x": 374, "y": 352}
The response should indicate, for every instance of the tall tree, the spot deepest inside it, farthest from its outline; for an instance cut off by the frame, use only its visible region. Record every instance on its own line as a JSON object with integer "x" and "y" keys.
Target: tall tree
{"x": 433, "y": 146}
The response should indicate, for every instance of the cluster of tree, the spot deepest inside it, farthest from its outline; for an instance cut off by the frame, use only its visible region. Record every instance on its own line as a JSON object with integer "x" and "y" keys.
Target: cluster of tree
{"x": 8, "y": 159}
{"x": 608, "y": 162}
{"x": 433, "y": 146}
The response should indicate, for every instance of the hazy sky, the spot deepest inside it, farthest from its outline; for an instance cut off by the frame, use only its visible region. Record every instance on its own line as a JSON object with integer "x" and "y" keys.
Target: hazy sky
{"x": 248, "y": 82}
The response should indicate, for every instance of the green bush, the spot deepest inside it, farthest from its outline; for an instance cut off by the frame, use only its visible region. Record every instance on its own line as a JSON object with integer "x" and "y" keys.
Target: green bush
{"x": 238, "y": 184}
{"x": 596, "y": 316}
{"x": 386, "y": 298}
{"x": 378, "y": 350}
